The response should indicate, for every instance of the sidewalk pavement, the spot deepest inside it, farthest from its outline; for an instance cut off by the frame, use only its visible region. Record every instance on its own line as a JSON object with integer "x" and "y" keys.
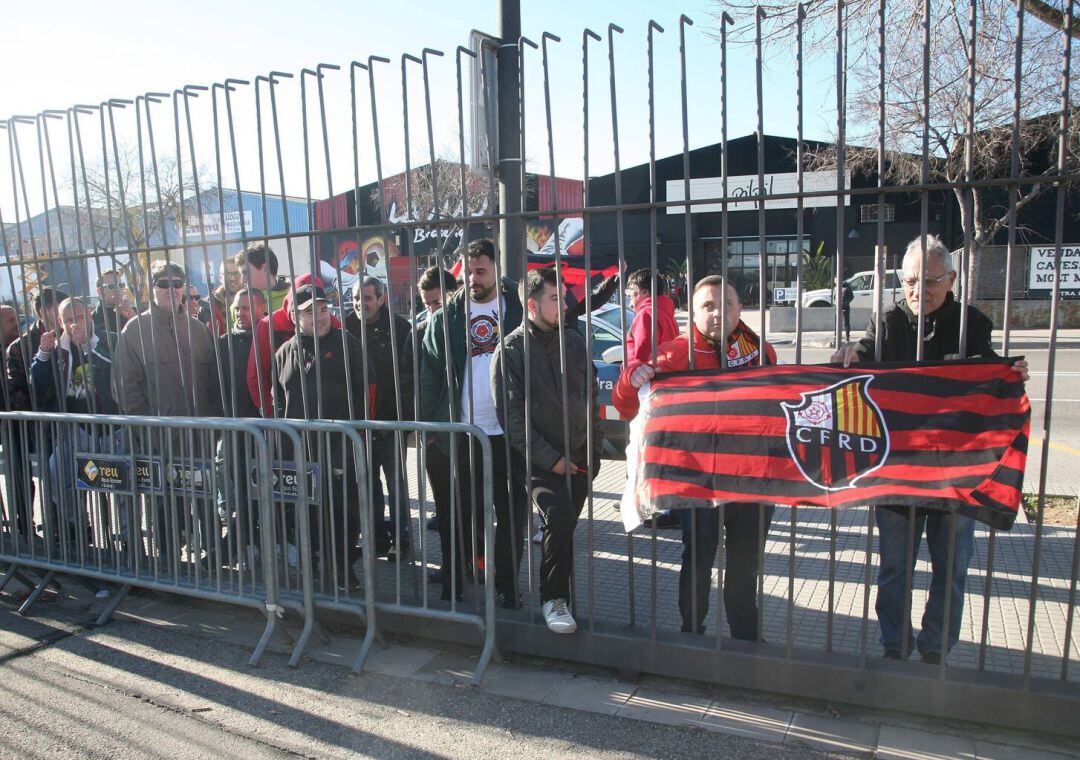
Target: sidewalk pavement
{"x": 842, "y": 730}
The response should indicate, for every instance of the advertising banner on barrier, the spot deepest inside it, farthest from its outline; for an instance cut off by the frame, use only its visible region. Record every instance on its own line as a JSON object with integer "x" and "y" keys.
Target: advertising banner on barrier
{"x": 285, "y": 485}
{"x": 112, "y": 473}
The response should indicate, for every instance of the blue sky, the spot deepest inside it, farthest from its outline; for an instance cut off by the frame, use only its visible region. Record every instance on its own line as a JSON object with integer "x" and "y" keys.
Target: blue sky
{"x": 60, "y": 53}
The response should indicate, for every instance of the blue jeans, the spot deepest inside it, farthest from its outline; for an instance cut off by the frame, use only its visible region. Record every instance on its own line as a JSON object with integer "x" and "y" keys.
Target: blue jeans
{"x": 744, "y": 541}
{"x": 892, "y": 529}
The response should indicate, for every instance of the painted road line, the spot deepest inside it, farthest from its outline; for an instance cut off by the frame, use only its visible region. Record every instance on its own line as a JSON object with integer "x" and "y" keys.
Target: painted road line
{"x": 1057, "y": 446}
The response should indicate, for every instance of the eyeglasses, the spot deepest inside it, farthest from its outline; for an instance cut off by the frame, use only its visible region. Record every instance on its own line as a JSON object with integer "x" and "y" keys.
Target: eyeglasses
{"x": 166, "y": 284}
{"x": 190, "y": 299}
{"x": 112, "y": 286}
{"x": 913, "y": 282}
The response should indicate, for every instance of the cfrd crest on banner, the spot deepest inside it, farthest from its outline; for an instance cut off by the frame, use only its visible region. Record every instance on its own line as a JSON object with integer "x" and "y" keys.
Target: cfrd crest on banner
{"x": 837, "y": 435}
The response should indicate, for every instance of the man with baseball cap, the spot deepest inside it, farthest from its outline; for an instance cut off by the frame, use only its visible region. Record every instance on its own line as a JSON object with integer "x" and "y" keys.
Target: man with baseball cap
{"x": 318, "y": 377}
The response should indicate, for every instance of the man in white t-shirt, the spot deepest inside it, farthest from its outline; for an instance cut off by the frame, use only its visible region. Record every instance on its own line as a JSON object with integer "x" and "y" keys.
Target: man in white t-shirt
{"x": 455, "y": 385}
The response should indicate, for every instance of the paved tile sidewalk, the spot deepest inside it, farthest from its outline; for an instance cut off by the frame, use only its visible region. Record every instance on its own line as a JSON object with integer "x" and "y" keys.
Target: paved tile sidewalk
{"x": 617, "y": 589}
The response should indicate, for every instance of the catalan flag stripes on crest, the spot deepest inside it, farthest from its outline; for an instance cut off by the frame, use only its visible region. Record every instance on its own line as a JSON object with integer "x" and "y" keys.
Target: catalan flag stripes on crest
{"x": 946, "y": 435}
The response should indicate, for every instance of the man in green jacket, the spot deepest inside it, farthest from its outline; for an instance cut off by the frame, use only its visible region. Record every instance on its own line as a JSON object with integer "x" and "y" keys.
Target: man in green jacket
{"x": 455, "y": 385}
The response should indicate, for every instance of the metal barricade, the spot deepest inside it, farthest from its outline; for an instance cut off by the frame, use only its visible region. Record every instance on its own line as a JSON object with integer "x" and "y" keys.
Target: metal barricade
{"x": 457, "y": 532}
{"x": 319, "y": 513}
{"x": 157, "y": 503}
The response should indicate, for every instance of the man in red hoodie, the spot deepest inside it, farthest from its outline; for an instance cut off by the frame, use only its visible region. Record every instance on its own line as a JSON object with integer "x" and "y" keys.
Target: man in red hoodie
{"x": 717, "y": 311}
{"x": 270, "y": 334}
{"x": 639, "y": 343}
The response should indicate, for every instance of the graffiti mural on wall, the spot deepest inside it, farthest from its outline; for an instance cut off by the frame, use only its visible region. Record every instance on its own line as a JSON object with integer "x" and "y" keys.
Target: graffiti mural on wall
{"x": 351, "y": 259}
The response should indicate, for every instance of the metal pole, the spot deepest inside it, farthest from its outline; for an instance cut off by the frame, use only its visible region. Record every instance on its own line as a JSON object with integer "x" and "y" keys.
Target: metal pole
{"x": 511, "y": 232}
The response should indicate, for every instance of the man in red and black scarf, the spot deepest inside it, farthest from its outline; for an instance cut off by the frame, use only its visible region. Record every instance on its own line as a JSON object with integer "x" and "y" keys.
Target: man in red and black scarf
{"x": 717, "y": 310}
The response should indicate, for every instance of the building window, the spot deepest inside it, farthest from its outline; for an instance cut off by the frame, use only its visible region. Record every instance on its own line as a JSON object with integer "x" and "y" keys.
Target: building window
{"x": 868, "y": 212}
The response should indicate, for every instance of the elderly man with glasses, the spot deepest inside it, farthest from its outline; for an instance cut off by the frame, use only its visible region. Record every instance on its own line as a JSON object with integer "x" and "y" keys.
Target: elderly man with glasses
{"x": 941, "y": 315}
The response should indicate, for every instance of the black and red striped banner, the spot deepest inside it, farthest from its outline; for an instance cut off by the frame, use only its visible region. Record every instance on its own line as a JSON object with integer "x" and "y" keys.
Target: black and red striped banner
{"x": 947, "y": 435}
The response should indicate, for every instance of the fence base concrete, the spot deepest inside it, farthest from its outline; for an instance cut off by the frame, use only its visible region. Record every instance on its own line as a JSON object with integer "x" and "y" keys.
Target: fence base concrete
{"x": 1031, "y": 313}
{"x": 814, "y": 319}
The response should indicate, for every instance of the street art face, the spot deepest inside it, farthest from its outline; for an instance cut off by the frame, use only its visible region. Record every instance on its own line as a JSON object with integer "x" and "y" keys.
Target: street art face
{"x": 353, "y": 260}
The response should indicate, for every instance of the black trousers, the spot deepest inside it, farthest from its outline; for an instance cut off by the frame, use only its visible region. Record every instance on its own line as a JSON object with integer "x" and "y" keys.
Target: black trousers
{"x": 446, "y": 493}
{"x": 561, "y": 509}
{"x": 21, "y": 484}
{"x": 743, "y": 544}
{"x": 846, "y": 312}
{"x": 509, "y": 503}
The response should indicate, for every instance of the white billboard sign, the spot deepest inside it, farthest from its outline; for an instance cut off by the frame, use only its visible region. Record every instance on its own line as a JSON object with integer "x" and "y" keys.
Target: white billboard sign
{"x": 1041, "y": 269}
{"x": 212, "y": 224}
{"x": 745, "y": 189}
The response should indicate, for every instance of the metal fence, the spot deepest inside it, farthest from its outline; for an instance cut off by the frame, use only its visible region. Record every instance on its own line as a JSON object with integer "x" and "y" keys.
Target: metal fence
{"x": 801, "y": 581}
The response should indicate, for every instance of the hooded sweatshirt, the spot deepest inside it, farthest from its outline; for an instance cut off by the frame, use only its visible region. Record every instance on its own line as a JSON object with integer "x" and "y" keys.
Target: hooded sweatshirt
{"x": 638, "y": 344}
{"x": 271, "y": 333}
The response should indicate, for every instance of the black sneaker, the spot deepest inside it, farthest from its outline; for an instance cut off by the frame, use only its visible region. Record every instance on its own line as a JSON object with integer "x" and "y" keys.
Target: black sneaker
{"x": 433, "y": 523}
{"x": 668, "y": 518}
{"x": 398, "y": 551}
{"x": 893, "y": 654}
{"x": 930, "y": 658}
{"x": 508, "y": 601}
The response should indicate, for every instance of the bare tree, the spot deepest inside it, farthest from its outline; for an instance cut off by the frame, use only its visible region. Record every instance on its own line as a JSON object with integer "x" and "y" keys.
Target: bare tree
{"x": 455, "y": 203}
{"x": 984, "y": 211}
{"x": 134, "y": 207}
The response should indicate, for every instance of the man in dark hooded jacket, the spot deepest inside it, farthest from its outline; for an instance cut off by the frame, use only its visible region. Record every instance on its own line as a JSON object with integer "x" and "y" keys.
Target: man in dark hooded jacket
{"x": 317, "y": 372}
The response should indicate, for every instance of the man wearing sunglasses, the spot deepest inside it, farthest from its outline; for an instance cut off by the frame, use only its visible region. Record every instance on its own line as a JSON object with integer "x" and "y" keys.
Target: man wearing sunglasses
{"x": 940, "y": 313}
{"x": 113, "y": 311}
{"x": 161, "y": 367}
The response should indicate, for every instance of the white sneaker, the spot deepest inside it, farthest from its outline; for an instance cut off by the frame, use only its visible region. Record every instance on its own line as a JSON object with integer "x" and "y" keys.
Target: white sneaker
{"x": 558, "y": 618}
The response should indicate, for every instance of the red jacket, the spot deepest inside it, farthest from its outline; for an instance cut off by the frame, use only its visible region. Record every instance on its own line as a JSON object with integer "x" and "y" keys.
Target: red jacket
{"x": 638, "y": 343}
{"x": 280, "y": 324}
{"x": 674, "y": 356}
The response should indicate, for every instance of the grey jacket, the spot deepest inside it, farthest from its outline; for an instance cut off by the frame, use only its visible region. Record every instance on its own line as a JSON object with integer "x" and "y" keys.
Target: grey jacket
{"x": 161, "y": 366}
{"x": 545, "y": 441}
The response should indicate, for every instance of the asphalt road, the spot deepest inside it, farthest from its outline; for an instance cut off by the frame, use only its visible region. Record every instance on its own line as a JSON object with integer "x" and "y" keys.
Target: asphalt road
{"x": 130, "y": 690}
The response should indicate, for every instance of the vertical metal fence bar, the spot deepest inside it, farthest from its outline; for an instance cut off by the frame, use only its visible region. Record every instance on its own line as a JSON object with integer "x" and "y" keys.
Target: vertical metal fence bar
{"x": 1051, "y": 360}
{"x": 654, "y": 278}
{"x": 621, "y": 250}
{"x": 590, "y": 538}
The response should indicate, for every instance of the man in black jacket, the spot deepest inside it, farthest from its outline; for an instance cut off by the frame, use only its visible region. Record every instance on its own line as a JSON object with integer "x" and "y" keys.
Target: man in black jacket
{"x": 22, "y": 397}
{"x": 229, "y": 385}
{"x": 113, "y": 311}
{"x": 385, "y": 338}
{"x": 559, "y": 456}
{"x": 234, "y": 350}
{"x": 313, "y": 383}
{"x": 71, "y": 373}
{"x": 941, "y": 341}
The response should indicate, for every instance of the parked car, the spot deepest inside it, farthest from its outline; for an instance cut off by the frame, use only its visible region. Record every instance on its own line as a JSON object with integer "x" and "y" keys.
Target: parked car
{"x": 607, "y": 342}
{"x": 862, "y": 287}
